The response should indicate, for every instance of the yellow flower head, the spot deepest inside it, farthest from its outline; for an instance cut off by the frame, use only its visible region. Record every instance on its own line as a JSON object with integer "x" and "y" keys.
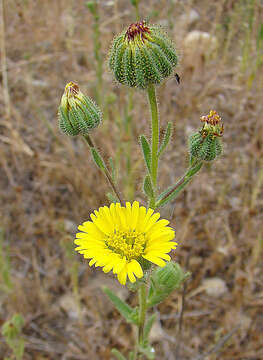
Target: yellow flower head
{"x": 118, "y": 238}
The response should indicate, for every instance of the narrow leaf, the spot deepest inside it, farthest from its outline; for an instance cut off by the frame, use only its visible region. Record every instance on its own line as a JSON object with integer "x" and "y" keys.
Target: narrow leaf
{"x": 149, "y": 325}
{"x": 146, "y": 152}
{"x": 125, "y": 310}
{"x": 147, "y": 186}
{"x": 118, "y": 354}
{"x": 166, "y": 138}
{"x": 97, "y": 159}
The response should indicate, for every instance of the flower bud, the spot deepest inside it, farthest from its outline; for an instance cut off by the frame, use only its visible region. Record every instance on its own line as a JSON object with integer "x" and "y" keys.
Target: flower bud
{"x": 206, "y": 143}
{"x": 77, "y": 113}
{"x": 164, "y": 280}
{"x": 142, "y": 55}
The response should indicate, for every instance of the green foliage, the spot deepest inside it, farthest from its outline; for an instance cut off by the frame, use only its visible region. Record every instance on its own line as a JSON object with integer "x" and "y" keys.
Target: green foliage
{"x": 166, "y": 138}
{"x": 118, "y": 354}
{"x": 146, "y": 152}
{"x": 148, "y": 326}
{"x": 141, "y": 58}
{"x": 97, "y": 159}
{"x": 91, "y": 5}
{"x": 164, "y": 281}
{"x": 5, "y": 268}
{"x": 130, "y": 314}
{"x": 173, "y": 191}
{"x": 11, "y": 331}
{"x": 147, "y": 186}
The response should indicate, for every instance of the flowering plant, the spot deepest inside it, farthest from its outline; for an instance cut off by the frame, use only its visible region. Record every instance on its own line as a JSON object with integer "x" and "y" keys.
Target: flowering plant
{"x": 127, "y": 238}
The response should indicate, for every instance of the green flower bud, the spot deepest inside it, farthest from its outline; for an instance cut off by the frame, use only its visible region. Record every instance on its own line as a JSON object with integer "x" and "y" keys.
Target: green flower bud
{"x": 77, "y": 113}
{"x": 165, "y": 280}
{"x": 206, "y": 143}
{"x": 142, "y": 55}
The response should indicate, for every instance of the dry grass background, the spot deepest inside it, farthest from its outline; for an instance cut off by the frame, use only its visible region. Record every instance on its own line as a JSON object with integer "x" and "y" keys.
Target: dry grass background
{"x": 49, "y": 184}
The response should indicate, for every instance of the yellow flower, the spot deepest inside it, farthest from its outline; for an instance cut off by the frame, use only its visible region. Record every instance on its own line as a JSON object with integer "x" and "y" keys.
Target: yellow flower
{"x": 118, "y": 238}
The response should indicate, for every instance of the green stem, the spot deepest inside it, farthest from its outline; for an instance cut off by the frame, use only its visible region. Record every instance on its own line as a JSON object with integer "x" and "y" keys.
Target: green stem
{"x": 104, "y": 169}
{"x": 137, "y": 11}
{"x": 128, "y": 134}
{"x": 142, "y": 311}
{"x": 178, "y": 187}
{"x": 155, "y": 138}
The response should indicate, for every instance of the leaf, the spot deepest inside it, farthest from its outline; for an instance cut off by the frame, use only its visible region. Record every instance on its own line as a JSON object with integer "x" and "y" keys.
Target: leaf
{"x": 146, "y": 152}
{"x": 126, "y": 311}
{"x": 97, "y": 159}
{"x": 149, "y": 325}
{"x": 166, "y": 138}
{"x": 260, "y": 36}
{"x": 147, "y": 186}
{"x": 118, "y": 354}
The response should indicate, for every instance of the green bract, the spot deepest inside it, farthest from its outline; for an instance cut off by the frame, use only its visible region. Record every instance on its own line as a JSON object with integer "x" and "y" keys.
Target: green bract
{"x": 206, "y": 143}
{"x": 142, "y": 55}
{"x": 77, "y": 113}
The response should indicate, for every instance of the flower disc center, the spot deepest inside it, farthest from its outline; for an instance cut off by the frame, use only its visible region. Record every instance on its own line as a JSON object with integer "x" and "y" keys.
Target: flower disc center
{"x": 126, "y": 243}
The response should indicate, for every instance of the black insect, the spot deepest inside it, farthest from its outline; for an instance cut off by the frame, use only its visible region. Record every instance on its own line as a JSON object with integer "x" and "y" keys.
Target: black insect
{"x": 177, "y": 78}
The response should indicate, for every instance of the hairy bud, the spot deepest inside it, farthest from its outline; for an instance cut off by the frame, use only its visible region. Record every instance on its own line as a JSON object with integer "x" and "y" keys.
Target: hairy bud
{"x": 77, "y": 113}
{"x": 164, "y": 281}
{"x": 142, "y": 55}
{"x": 206, "y": 143}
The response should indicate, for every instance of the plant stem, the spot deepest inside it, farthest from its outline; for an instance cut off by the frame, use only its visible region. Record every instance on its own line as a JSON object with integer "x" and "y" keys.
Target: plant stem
{"x": 155, "y": 138}
{"x": 105, "y": 170}
{"x": 3, "y": 61}
{"x": 137, "y": 10}
{"x": 178, "y": 187}
{"x": 142, "y": 311}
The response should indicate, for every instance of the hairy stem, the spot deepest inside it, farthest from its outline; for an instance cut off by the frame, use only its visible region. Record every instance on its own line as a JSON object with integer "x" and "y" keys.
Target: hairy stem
{"x": 142, "y": 310}
{"x": 105, "y": 170}
{"x": 155, "y": 139}
{"x": 178, "y": 187}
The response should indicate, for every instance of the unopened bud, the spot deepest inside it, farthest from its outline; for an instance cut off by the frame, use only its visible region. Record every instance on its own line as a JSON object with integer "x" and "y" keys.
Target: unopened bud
{"x": 206, "y": 143}
{"x": 165, "y": 280}
{"x": 142, "y": 55}
{"x": 77, "y": 113}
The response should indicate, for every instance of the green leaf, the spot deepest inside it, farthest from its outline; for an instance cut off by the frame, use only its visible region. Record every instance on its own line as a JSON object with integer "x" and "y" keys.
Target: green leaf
{"x": 147, "y": 186}
{"x": 126, "y": 311}
{"x": 260, "y": 37}
{"x": 166, "y": 138}
{"x": 97, "y": 159}
{"x": 118, "y": 354}
{"x": 146, "y": 152}
{"x": 149, "y": 325}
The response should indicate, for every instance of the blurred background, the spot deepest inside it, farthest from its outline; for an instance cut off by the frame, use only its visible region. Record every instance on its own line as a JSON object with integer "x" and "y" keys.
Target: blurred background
{"x": 48, "y": 183}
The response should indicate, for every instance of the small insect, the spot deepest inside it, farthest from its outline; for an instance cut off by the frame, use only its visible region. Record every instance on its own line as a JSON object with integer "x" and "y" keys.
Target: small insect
{"x": 177, "y": 78}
